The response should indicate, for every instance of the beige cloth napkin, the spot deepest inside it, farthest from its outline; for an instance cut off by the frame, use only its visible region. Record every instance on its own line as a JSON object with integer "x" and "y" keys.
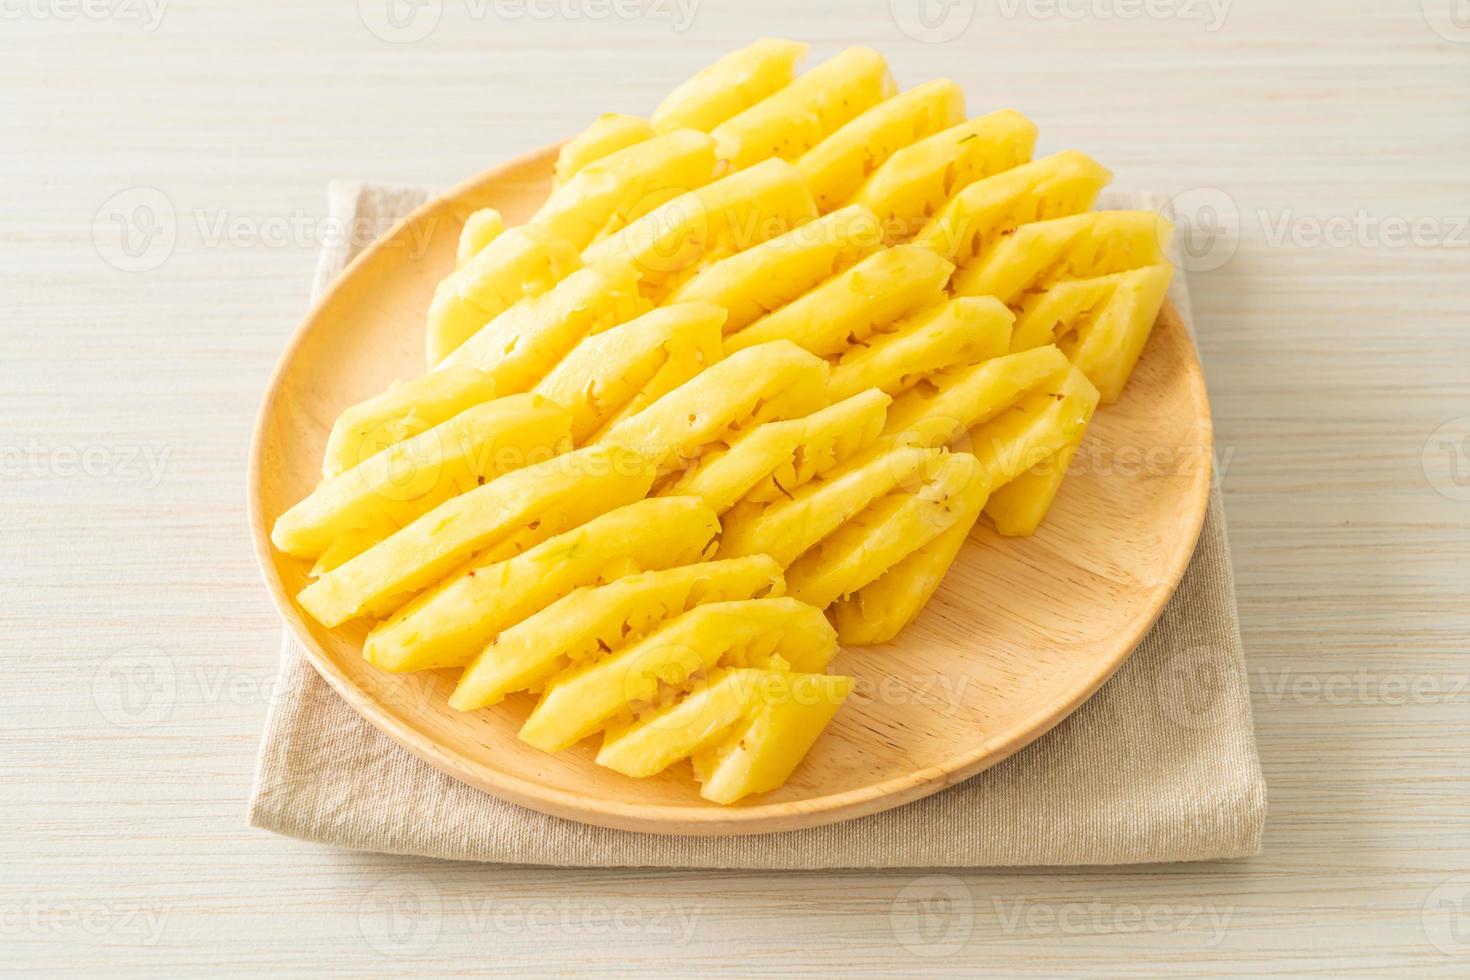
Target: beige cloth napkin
{"x": 1160, "y": 765}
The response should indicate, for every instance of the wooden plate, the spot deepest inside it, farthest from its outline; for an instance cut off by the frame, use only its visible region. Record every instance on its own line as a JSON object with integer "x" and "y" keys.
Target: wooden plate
{"x": 1021, "y": 632}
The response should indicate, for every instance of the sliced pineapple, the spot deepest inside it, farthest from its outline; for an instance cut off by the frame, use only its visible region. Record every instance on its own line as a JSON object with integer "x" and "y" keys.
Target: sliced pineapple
{"x": 607, "y": 194}
{"x": 877, "y": 612}
{"x": 678, "y": 238}
{"x": 888, "y": 530}
{"x": 907, "y": 190}
{"x": 981, "y": 214}
{"x": 839, "y": 165}
{"x": 1018, "y": 508}
{"x": 620, "y": 371}
{"x": 521, "y": 263}
{"x": 1044, "y": 422}
{"x": 1082, "y": 246}
{"x": 760, "y": 752}
{"x": 773, "y": 460}
{"x": 609, "y": 133}
{"x": 730, "y": 86}
{"x": 598, "y": 620}
{"x": 742, "y": 633}
{"x": 851, "y": 306}
{"x": 513, "y": 511}
{"x": 772, "y": 381}
{"x": 962, "y": 331}
{"x": 448, "y": 625}
{"x": 406, "y": 409}
{"x": 793, "y": 119}
{"x": 394, "y": 487}
{"x": 763, "y": 278}
{"x": 480, "y": 229}
{"x": 1101, "y": 324}
{"x": 945, "y": 406}
{"x": 521, "y": 346}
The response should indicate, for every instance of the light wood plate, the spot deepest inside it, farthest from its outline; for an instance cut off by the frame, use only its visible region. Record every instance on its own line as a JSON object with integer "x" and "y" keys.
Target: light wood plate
{"x": 1021, "y": 632}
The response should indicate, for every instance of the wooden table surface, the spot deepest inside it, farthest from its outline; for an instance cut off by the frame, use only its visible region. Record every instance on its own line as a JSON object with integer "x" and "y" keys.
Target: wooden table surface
{"x": 163, "y": 165}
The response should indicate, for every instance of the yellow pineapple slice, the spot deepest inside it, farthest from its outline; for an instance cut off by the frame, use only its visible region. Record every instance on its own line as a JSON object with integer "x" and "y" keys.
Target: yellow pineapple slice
{"x": 877, "y": 612}
{"x": 743, "y": 633}
{"x": 945, "y": 406}
{"x": 972, "y": 221}
{"x": 710, "y": 716}
{"x": 760, "y": 752}
{"x": 777, "y": 380}
{"x": 961, "y": 331}
{"x": 1044, "y": 422}
{"x": 404, "y": 410}
{"x": 889, "y": 530}
{"x": 1018, "y": 508}
{"x": 390, "y": 489}
{"x": 480, "y": 229}
{"x": 787, "y": 528}
{"x": 730, "y": 86}
{"x": 598, "y": 620}
{"x": 623, "y": 186}
{"x": 1101, "y": 324}
{"x": 763, "y": 278}
{"x": 1082, "y": 246}
{"x": 524, "y": 506}
{"x": 774, "y": 459}
{"x": 796, "y": 118}
{"x": 619, "y": 371}
{"x": 907, "y": 190}
{"x": 521, "y": 263}
{"x": 838, "y": 166}
{"x": 521, "y": 346}
{"x": 609, "y": 133}
{"x": 448, "y": 625}
{"x": 734, "y": 213}
{"x": 848, "y": 308}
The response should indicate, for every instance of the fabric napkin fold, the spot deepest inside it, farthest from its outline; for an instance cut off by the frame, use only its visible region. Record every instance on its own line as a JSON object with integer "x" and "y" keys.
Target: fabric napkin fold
{"x": 1159, "y": 765}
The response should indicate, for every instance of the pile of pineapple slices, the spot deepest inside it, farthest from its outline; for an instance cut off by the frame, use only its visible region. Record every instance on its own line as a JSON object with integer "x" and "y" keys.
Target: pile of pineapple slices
{"x": 738, "y": 391}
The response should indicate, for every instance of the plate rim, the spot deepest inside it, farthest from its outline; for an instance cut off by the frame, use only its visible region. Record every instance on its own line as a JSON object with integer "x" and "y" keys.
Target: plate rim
{"x": 692, "y": 820}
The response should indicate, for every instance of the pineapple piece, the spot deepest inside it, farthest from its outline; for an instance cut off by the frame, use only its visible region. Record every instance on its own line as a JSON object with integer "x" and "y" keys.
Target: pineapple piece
{"x": 523, "y": 344}
{"x": 448, "y": 625}
{"x": 708, "y": 719}
{"x": 729, "y": 215}
{"x": 384, "y": 493}
{"x": 743, "y": 633}
{"x": 841, "y": 163}
{"x": 774, "y": 459}
{"x": 619, "y": 371}
{"x": 759, "y": 754}
{"x": 754, "y": 282}
{"x": 609, "y": 133}
{"x": 519, "y": 264}
{"x": 599, "y": 620}
{"x": 941, "y": 409}
{"x": 961, "y": 331}
{"x": 788, "y": 528}
{"x": 480, "y": 229}
{"x": 914, "y": 183}
{"x": 1018, "y": 507}
{"x": 889, "y": 530}
{"x": 730, "y": 86}
{"x": 1057, "y": 186}
{"x": 877, "y": 612}
{"x": 524, "y": 506}
{"x": 607, "y": 194}
{"x": 777, "y": 380}
{"x": 406, "y": 409}
{"x": 796, "y": 118}
{"x": 851, "y": 306}
{"x": 1046, "y": 421}
{"x": 1101, "y": 324}
{"x": 1082, "y": 246}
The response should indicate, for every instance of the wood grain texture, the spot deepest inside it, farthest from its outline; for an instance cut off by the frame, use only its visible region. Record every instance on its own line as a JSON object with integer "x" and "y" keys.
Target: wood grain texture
{"x": 1332, "y": 364}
